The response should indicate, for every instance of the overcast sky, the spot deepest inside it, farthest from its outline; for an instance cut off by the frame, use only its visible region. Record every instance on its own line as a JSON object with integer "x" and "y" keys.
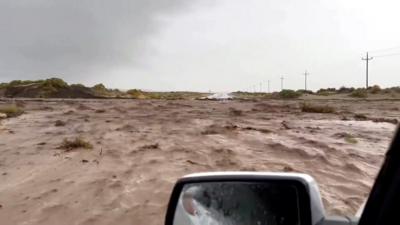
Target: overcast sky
{"x": 200, "y": 45}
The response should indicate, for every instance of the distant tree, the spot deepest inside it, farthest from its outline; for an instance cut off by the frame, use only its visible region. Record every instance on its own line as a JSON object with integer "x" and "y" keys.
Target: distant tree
{"x": 289, "y": 94}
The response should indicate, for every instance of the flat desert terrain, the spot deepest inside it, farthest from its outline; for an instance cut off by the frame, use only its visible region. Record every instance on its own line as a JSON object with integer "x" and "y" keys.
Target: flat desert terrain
{"x": 140, "y": 148}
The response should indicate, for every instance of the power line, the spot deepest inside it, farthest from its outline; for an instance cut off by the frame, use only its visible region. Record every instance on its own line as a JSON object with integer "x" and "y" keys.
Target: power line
{"x": 385, "y": 49}
{"x": 392, "y": 54}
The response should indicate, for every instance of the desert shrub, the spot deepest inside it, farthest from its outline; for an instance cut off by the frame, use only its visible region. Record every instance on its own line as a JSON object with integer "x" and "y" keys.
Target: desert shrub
{"x": 235, "y": 112}
{"x": 11, "y": 110}
{"x": 360, "y": 116}
{"x": 100, "y": 111}
{"x": 325, "y": 93}
{"x": 53, "y": 85}
{"x": 327, "y": 90}
{"x": 395, "y": 89}
{"x": 351, "y": 140}
{"x": 78, "y": 142}
{"x": 3, "y": 85}
{"x": 54, "y": 82}
{"x": 23, "y": 82}
{"x": 345, "y": 90}
{"x": 289, "y": 94}
{"x": 100, "y": 88}
{"x": 251, "y": 95}
{"x": 309, "y": 108}
{"x": 168, "y": 95}
{"x": 78, "y": 85}
{"x": 136, "y": 93}
{"x": 15, "y": 83}
{"x": 302, "y": 91}
{"x": 375, "y": 89}
{"x": 59, "y": 123}
{"x": 359, "y": 93}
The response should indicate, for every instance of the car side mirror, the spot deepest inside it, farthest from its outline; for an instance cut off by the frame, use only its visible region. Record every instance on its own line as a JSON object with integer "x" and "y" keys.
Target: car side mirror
{"x": 230, "y": 198}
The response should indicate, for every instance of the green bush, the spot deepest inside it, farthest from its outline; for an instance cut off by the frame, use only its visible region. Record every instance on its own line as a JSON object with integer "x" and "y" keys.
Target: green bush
{"x": 289, "y": 94}
{"x": 359, "y": 93}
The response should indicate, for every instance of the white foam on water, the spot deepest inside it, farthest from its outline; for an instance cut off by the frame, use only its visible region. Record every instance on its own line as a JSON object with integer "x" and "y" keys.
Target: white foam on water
{"x": 220, "y": 96}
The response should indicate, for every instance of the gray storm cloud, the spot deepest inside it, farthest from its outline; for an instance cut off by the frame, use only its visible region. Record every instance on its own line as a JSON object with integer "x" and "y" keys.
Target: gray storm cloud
{"x": 47, "y": 37}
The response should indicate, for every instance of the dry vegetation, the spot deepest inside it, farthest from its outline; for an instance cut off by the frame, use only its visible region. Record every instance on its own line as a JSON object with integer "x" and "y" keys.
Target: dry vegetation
{"x": 359, "y": 93}
{"x": 75, "y": 143}
{"x": 11, "y": 110}
{"x": 59, "y": 123}
{"x": 310, "y": 108}
{"x": 375, "y": 92}
{"x": 58, "y": 88}
{"x": 349, "y": 138}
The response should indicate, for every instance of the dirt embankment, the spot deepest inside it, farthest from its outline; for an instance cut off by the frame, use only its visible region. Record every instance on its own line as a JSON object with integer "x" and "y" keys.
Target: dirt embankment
{"x": 115, "y": 161}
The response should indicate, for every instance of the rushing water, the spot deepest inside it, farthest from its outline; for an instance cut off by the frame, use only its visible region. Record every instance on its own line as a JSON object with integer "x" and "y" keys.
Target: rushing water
{"x": 220, "y": 96}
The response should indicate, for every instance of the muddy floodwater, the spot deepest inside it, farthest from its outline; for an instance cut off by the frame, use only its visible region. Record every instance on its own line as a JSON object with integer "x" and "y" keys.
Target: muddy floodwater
{"x": 140, "y": 148}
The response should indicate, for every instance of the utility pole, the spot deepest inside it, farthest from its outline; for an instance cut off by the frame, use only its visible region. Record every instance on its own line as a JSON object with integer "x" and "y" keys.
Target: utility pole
{"x": 305, "y": 80}
{"x": 367, "y": 59}
{"x": 260, "y": 87}
{"x": 282, "y": 78}
{"x": 269, "y": 91}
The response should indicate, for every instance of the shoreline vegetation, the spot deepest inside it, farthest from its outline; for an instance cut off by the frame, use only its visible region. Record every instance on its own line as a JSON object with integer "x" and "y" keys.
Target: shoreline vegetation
{"x": 58, "y": 88}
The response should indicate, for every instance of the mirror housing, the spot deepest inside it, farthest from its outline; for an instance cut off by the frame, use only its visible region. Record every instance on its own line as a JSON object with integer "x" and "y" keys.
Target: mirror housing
{"x": 310, "y": 204}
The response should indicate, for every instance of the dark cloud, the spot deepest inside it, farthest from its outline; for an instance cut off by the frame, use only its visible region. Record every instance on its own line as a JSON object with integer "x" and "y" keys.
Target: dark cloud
{"x": 76, "y": 37}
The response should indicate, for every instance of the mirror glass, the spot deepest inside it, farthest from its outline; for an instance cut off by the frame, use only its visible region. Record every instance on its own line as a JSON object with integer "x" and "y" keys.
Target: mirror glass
{"x": 237, "y": 203}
